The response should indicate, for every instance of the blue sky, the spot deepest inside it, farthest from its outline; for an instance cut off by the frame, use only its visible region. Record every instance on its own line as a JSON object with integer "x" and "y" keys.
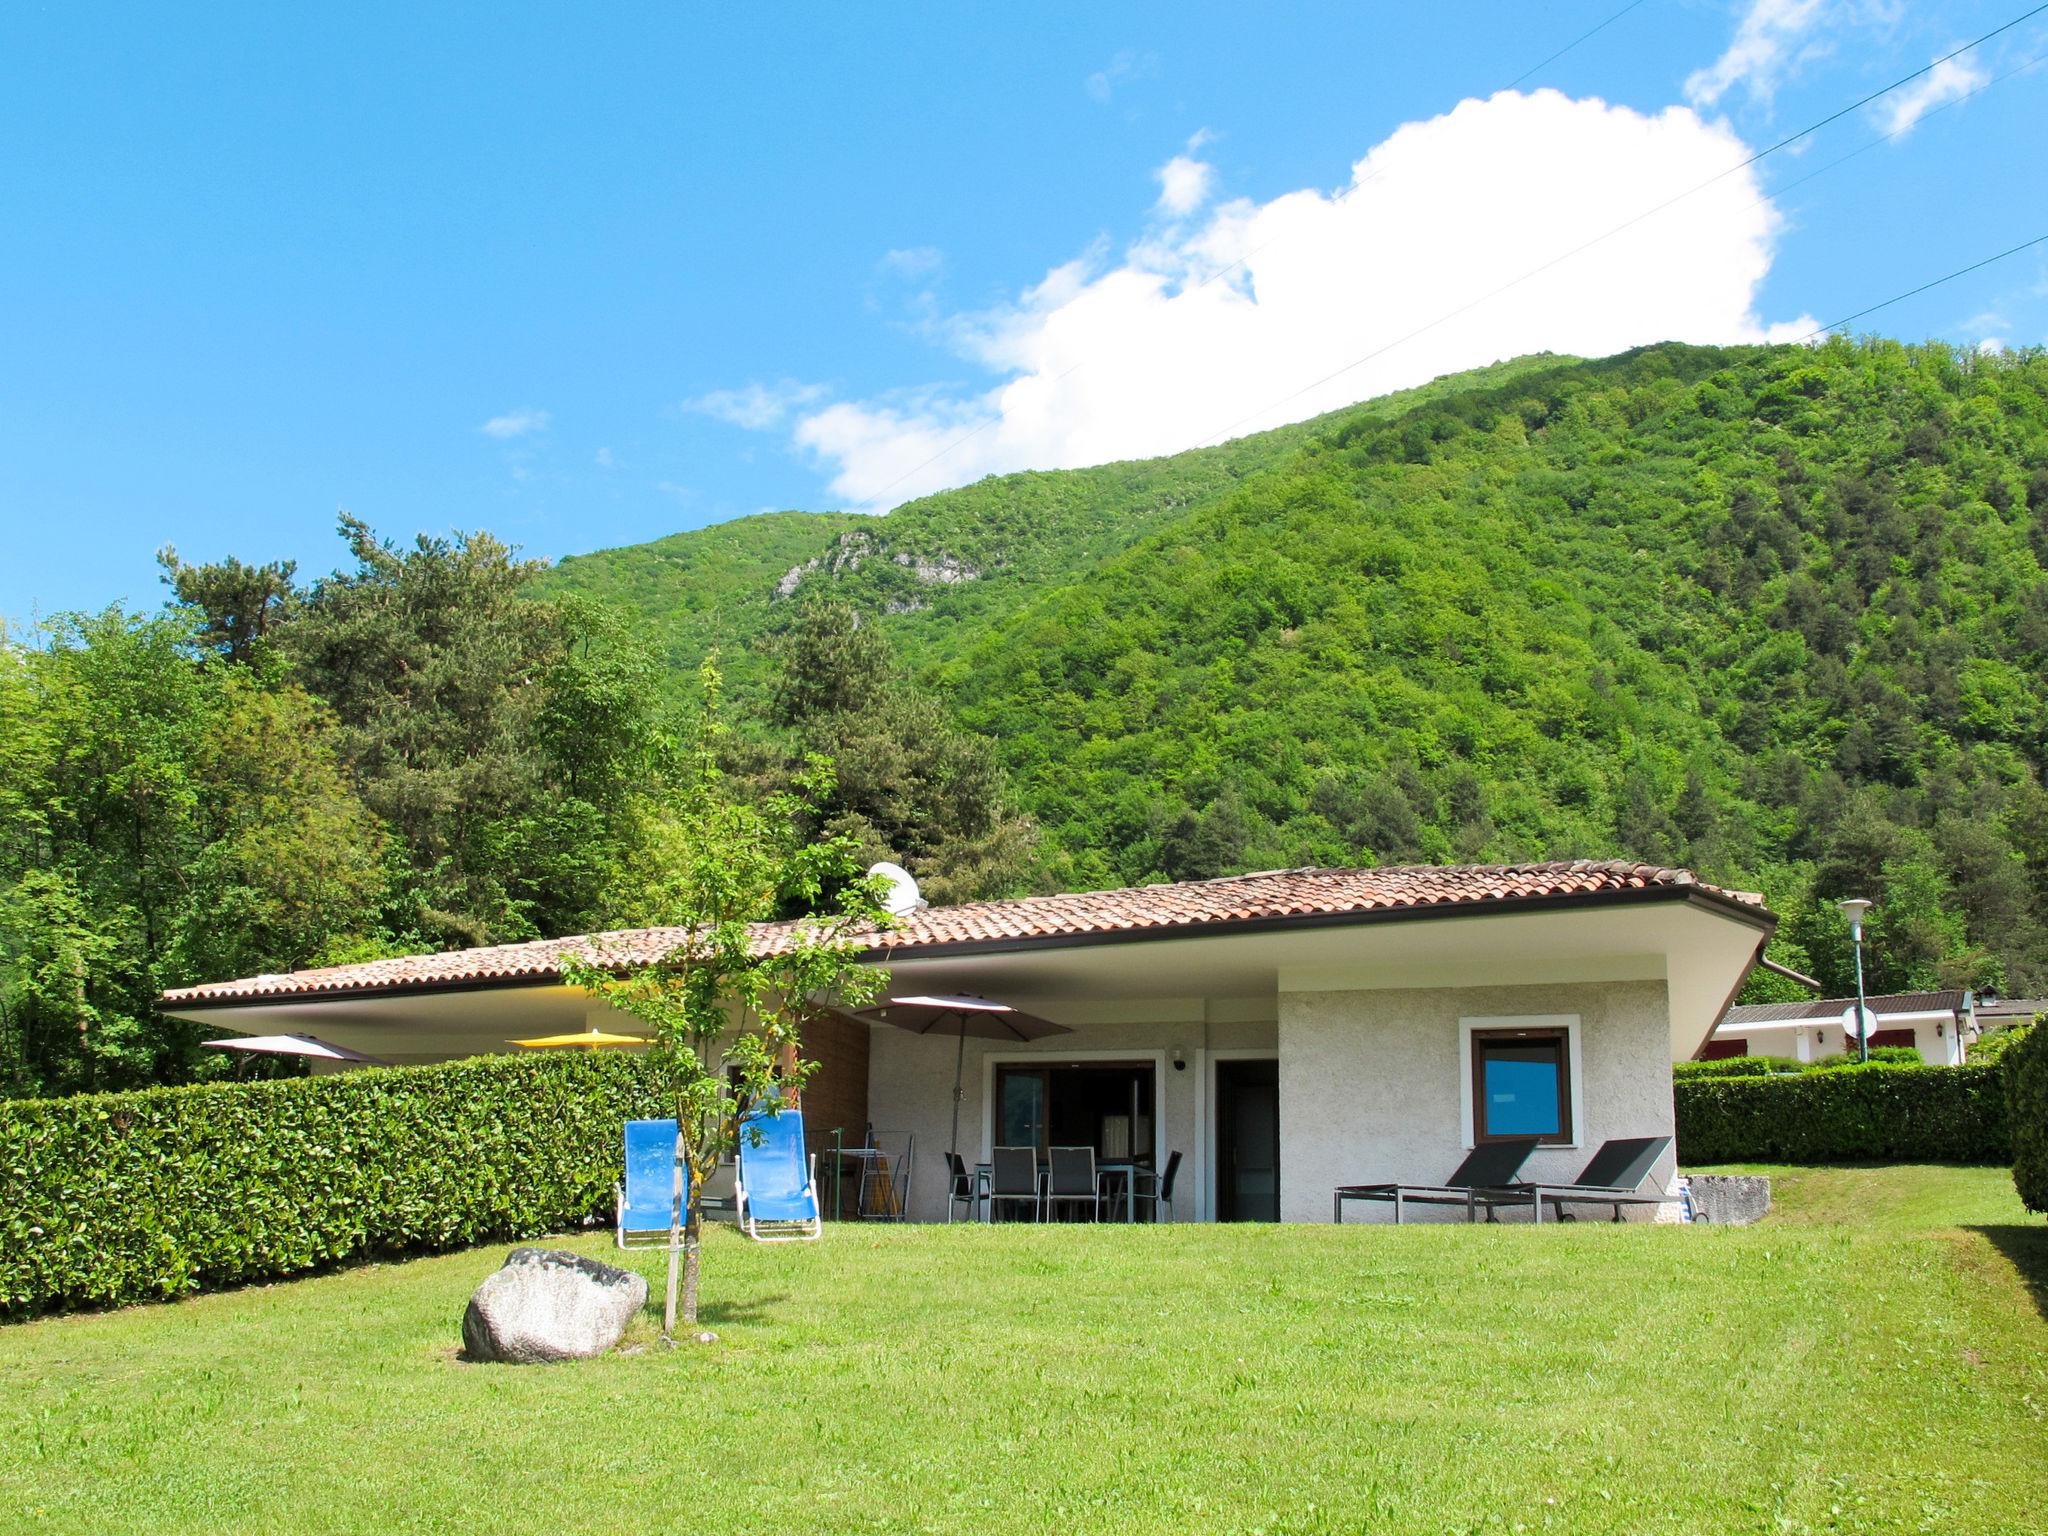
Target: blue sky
{"x": 587, "y": 277}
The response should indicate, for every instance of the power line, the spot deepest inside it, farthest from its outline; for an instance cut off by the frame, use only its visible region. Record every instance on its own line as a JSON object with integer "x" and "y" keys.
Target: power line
{"x": 1899, "y": 298}
{"x": 1568, "y": 47}
{"x": 874, "y": 498}
{"x": 1627, "y": 224}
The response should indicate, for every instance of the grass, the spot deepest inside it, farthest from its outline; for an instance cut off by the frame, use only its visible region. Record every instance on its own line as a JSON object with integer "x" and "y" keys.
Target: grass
{"x": 1869, "y": 1360}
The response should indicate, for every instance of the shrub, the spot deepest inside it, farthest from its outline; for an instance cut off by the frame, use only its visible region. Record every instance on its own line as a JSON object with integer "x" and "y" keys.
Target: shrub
{"x": 1738, "y": 1066}
{"x": 2026, "y": 1083}
{"x": 112, "y": 1198}
{"x": 1847, "y": 1114}
{"x": 1896, "y": 1055}
{"x": 1992, "y": 1047}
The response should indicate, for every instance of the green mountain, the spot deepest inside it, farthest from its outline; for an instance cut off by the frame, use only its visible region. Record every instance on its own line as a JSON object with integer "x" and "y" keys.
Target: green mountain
{"x": 1776, "y": 612}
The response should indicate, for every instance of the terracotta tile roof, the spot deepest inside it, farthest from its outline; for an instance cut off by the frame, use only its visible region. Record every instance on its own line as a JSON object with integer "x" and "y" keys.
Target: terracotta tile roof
{"x": 1274, "y": 896}
{"x": 1828, "y": 1009}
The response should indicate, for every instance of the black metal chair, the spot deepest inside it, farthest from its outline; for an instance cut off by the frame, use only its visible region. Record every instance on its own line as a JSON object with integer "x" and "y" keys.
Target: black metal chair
{"x": 1072, "y": 1179}
{"x": 1157, "y": 1187}
{"x": 1491, "y": 1166}
{"x": 1013, "y": 1177}
{"x": 964, "y": 1186}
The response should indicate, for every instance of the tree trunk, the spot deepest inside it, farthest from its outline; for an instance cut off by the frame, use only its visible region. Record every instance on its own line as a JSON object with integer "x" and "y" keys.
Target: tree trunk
{"x": 691, "y": 1244}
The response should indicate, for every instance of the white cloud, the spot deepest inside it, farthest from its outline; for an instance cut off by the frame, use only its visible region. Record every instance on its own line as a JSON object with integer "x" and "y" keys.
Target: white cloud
{"x": 915, "y": 262}
{"x": 1127, "y": 65}
{"x": 1947, "y": 81}
{"x": 1119, "y": 358}
{"x": 1773, "y": 38}
{"x": 604, "y": 459}
{"x": 516, "y": 424}
{"x": 1184, "y": 185}
{"x": 755, "y": 406}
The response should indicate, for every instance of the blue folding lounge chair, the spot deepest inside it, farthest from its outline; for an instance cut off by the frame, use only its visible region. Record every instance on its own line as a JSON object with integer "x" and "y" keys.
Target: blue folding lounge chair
{"x": 776, "y": 1190}
{"x": 646, "y": 1197}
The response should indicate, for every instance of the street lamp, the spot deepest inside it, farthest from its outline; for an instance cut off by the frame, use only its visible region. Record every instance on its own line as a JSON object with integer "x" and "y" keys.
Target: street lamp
{"x": 1853, "y": 909}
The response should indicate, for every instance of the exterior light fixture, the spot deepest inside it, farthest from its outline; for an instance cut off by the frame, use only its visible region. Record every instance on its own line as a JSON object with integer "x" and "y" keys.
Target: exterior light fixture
{"x": 1853, "y": 909}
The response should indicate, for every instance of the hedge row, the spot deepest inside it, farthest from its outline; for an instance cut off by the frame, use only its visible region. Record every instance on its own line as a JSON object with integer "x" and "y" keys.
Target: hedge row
{"x": 113, "y": 1198}
{"x": 2026, "y": 1083}
{"x": 1881, "y": 1111}
{"x": 1737, "y": 1066}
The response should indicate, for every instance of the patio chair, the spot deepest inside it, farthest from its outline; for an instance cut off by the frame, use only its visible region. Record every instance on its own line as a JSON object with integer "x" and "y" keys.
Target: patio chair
{"x": 1492, "y": 1165}
{"x": 775, "y": 1188}
{"x": 1157, "y": 1187}
{"x": 1013, "y": 1177}
{"x": 964, "y": 1186}
{"x": 645, "y": 1197}
{"x": 1072, "y": 1179}
{"x": 1614, "y": 1178}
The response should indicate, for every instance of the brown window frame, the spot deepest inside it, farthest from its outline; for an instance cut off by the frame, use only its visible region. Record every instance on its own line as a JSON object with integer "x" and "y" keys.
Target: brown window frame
{"x": 1566, "y": 1134}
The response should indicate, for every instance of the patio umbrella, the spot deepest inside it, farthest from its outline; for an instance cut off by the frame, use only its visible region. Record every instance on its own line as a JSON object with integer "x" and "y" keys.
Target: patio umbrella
{"x": 961, "y": 1017}
{"x": 293, "y": 1045}
{"x": 587, "y": 1040}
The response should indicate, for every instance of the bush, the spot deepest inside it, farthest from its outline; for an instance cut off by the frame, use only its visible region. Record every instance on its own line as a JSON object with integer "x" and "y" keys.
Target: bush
{"x": 112, "y": 1198}
{"x": 2026, "y": 1085}
{"x": 1738, "y": 1066}
{"x": 1847, "y": 1114}
{"x": 1895, "y": 1055}
{"x": 1992, "y": 1047}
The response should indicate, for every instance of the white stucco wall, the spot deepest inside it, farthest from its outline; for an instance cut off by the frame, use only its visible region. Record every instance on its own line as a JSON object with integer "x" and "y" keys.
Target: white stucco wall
{"x": 910, "y": 1084}
{"x": 1371, "y": 1083}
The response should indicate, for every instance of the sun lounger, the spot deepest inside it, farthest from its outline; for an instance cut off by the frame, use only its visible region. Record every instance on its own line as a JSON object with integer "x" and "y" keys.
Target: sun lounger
{"x": 775, "y": 1189}
{"x": 1613, "y": 1178}
{"x": 1491, "y": 1165}
{"x": 646, "y": 1196}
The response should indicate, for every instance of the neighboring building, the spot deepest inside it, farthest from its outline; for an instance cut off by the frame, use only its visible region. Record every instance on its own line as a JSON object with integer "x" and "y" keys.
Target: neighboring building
{"x": 1285, "y": 1032}
{"x": 1939, "y": 1025}
{"x": 1995, "y": 1012}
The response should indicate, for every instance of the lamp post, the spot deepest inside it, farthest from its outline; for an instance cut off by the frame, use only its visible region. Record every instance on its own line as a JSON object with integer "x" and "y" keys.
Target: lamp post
{"x": 1853, "y": 909}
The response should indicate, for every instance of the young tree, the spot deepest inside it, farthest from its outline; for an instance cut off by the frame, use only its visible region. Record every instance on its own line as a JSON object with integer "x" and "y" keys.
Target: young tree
{"x": 726, "y": 1003}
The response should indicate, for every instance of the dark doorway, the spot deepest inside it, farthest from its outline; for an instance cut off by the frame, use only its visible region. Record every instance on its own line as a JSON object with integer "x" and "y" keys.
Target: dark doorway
{"x": 1247, "y": 1141}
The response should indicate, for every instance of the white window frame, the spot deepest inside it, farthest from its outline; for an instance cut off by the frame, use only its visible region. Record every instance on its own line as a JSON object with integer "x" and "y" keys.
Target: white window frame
{"x": 1574, "y": 1067}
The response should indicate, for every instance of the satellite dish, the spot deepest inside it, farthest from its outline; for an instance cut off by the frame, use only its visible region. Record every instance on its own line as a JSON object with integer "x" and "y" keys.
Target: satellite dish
{"x": 1854, "y": 1028}
{"x": 902, "y": 898}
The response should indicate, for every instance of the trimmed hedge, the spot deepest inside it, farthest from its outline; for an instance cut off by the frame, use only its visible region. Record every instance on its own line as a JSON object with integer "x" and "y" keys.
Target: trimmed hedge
{"x": 1847, "y": 1114}
{"x": 2026, "y": 1085}
{"x": 113, "y": 1198}
{"x": 1738, "y": 1066}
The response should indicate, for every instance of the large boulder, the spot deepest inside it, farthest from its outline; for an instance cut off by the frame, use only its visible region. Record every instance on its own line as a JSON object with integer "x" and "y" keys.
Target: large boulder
{"x": 548, "y": 1304}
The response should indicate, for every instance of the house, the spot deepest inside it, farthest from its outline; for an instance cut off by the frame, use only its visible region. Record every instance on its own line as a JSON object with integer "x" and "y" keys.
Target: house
{"x": 1939, "y": 1025}
{"x": 1284, "y": 1032}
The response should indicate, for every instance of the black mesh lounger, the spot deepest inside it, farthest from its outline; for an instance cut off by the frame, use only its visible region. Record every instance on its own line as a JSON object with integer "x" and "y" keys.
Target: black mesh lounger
{"x": 1613, "y": 1178}
{"x": 1491, "y": 1166}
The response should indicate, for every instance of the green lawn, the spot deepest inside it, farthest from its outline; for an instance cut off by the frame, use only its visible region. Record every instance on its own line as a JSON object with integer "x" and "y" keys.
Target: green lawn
{"x": 1869, "y": 1360}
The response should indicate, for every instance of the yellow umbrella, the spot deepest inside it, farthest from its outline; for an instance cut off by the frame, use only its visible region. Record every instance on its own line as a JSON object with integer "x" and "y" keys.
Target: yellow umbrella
{"x": 589, "y": 1040}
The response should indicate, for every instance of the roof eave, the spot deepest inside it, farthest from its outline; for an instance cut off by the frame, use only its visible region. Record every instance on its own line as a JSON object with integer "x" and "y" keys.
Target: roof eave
{"x": 1713, "y": 902}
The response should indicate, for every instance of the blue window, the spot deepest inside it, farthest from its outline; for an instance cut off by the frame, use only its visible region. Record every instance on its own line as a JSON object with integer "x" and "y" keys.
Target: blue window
{"x": 1521, "y": 1084}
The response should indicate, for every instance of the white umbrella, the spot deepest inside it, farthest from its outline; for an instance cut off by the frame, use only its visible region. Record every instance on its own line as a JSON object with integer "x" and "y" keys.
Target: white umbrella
{"x": 293, "y": 1045}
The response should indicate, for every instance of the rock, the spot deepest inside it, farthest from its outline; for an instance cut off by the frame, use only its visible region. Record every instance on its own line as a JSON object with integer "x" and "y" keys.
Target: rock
{"x": 1730, "y": 1199}
{"x": 548, "y": 1304}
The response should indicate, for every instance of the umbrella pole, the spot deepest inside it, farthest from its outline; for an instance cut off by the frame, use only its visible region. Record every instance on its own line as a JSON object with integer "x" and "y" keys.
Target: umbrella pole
{"x": 959, "y": 1067}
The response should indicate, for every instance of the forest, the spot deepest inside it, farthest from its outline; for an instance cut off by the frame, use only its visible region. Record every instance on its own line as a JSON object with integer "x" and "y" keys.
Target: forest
{"x": 1778, "y": 614}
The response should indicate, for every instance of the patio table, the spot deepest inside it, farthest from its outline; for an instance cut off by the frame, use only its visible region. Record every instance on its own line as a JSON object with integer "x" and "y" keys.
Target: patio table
{"x": 1127, "y": 1171}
